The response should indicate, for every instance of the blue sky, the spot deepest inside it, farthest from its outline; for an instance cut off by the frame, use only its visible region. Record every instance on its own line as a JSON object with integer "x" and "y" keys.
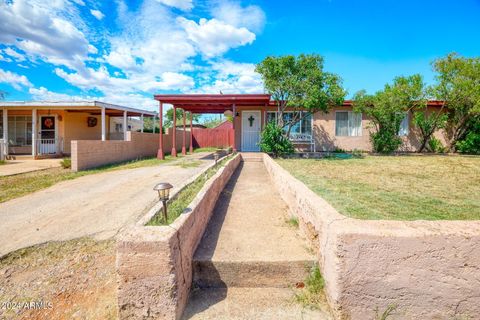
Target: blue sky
{"x": 125, "y": 51}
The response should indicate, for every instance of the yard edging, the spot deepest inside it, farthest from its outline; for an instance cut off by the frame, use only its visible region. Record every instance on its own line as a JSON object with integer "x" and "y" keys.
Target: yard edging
{"x": 427, "y": 269}
{"x": 154, "y": 263}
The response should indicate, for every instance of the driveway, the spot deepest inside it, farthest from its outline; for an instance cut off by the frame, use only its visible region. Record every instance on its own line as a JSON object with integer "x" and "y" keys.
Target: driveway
{"x": 12, "y": 167}
{"x": 96, "y": 205}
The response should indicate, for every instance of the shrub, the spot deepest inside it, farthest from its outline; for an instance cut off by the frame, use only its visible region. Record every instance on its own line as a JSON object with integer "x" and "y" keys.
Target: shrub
{"x": 471, "y": 143}
{"x": 385, "y": 141}
{"x": 274, "y": 141}
{"x": 66, "y": 163}
{"x": 435, "y": 145}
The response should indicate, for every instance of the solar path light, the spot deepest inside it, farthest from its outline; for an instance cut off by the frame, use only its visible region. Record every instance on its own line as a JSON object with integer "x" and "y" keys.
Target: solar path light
{"x": 163, "y": 189}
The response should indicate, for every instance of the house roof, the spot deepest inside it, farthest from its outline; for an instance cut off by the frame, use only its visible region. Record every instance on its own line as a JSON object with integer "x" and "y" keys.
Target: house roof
{"x": 219, "y": 103}
{"x": 93, "y": 106}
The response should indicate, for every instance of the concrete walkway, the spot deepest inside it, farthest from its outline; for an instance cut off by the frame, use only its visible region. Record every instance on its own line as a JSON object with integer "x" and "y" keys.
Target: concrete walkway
{"x": 249, "y": 258}
{"x": 97, "y": 204}
{"x": 12, "y": 167}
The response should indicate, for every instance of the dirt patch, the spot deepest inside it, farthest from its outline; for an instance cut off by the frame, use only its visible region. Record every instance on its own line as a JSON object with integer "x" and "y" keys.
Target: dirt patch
{"x": 66, "y": 280}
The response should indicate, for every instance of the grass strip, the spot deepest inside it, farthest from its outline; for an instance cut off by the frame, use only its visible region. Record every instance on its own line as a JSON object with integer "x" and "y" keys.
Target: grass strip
{"x": 178, "y": 204}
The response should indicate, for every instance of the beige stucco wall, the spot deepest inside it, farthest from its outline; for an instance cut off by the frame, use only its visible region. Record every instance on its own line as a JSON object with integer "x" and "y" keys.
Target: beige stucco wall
{"x": 87, "y": 154}
{"x": 428, "y": 269}
{"x": 326, "y": 140}
{"x": 154, "y": 263}
{"x": 76, "y": 128}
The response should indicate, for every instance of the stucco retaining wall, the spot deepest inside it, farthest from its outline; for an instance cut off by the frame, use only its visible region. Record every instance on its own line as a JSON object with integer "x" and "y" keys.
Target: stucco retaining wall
{"x": 428, "y": 269}
{"x": 154, "y": 263}
{"x": 86, "y": 154}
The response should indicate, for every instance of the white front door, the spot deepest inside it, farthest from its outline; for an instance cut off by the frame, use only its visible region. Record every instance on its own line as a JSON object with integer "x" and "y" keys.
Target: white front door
{"x": 251, "y": 126}
{"x": 48, "y": 135}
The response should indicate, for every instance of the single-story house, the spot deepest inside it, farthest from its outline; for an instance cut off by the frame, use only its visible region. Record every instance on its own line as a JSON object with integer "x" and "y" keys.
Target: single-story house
{"x": 340, "y": 128}
{"x": 43, "y": 128}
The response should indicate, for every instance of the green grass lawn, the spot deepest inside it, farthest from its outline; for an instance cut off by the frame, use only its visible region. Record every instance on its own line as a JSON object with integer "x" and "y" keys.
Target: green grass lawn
{"x": 396, "y": 187}
{"x": 21, "y": 184}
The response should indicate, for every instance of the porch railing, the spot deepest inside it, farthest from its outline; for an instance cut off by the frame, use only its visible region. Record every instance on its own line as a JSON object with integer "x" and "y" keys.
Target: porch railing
{"x": 3, "y": 149}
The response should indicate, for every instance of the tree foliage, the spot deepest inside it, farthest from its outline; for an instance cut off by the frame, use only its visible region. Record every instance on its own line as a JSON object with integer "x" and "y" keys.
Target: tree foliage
{"x": 168, "y": 121}
{"x": 458, "y": 85}
{"x": 428, "y": 122}
{"x": 387, "y": 108}
{"x": 274, "y": 141}
{"x": 471, "y": 143}
{"x": 300, "y": 83}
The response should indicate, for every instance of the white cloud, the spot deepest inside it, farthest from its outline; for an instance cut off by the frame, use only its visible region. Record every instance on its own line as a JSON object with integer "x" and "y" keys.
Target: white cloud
{"x": 232, "y": 77}
{"x": 15, "y": 80}
{"x": 97, "y": 14}
{"x": 79, "y": 2}
{"x": 39, "y": 31}
{"x": 2, "y": 58}
{"x": 251, "y": 17}
{"x": 12, "y": 53}
{"x": 214, "y": 37}
{"x": 180, "y": 4}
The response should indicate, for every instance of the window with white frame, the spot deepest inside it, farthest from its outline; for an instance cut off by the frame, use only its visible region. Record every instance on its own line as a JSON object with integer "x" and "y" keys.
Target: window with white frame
{"x": 403, "y": 130}
{"x": 348, "y": 123}
{"x": 20, "y": 130}
{"x": 302, "y": 127}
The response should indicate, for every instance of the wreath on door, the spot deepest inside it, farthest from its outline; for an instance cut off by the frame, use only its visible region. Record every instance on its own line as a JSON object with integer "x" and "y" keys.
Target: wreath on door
{"x": 92, "y": 121}
{"x": 48, "y": 123}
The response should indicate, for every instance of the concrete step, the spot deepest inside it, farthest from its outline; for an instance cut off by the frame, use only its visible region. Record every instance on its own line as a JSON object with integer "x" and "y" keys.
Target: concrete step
{"x": 252, "y": 156}
{"x": 248, "y": 303}
{"x": 250, "y": 274}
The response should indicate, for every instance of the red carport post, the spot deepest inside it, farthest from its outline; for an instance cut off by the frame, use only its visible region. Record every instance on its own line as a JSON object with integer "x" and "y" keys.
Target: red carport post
{"x": 184, "y": 142}
{"x": 160, "y": 154}
{"x": 191, "y": 132}
{"x": 174, "y": 135}
{"x": 234, "y": 147}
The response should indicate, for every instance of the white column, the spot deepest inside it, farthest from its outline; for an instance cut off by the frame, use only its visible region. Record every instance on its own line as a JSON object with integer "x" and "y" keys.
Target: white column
{"x": 141, "y": 119}
{"x": 125, "y": 126}
{"x": 103, "y": 124}
{"x": 5, "y": 129}
{"x": 34, "y": 132}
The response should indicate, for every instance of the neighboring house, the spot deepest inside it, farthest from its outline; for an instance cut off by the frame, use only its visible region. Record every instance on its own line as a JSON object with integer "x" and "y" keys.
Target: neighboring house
{"x": 133, "y": 124}
{"x": 43, "y": 128}
{"x": 224, "y": 125}
{"x": 340, "y": 128}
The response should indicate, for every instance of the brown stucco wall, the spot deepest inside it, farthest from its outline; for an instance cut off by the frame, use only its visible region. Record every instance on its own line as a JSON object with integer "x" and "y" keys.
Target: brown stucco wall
{"x": 154, "y": 263}
{"x": 428, "y": 269}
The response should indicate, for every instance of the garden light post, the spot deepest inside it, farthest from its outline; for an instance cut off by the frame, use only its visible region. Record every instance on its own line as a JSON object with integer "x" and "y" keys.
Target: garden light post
{"x": 163, "y": 189}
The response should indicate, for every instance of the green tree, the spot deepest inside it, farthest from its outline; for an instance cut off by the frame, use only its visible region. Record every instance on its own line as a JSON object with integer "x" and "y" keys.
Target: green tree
{"x": 387, "y": 108}
{"x": 428, "y": 122}
{"x": 169, "y": 117}
{"x": 458, "y": 85}
{"x": 3, "y": 94}
{"x": 471, "y": 143}
{"x": 300, "y": 83}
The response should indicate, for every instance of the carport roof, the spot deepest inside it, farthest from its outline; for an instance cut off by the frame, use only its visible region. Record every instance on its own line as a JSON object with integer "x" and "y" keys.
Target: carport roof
{"x": 212, "y": 103}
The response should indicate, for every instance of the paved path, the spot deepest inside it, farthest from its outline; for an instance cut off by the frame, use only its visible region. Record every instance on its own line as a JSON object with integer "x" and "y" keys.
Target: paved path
{"x": 97, "y": 204}
{"x": 249, "y": 257}
{"x": 12, "y": 167}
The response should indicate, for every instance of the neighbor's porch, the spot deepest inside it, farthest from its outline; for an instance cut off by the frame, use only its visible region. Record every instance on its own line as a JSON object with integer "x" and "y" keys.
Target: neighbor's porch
{"x": 42, "y": 130}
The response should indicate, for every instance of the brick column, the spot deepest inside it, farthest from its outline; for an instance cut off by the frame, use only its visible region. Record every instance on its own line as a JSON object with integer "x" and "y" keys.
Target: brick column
{"x": 174, "y": 135}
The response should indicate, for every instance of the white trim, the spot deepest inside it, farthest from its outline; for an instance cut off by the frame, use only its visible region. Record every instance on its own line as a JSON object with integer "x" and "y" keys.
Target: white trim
{"x": 125, "y": 126}
{"x": 34, "y": 132}
{"x": 102, "y": 120}
{"x": 72, "y": 104}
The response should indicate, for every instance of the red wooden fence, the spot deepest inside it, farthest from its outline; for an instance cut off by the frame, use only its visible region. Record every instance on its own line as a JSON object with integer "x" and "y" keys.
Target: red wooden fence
{"x": 219, "y": 138}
